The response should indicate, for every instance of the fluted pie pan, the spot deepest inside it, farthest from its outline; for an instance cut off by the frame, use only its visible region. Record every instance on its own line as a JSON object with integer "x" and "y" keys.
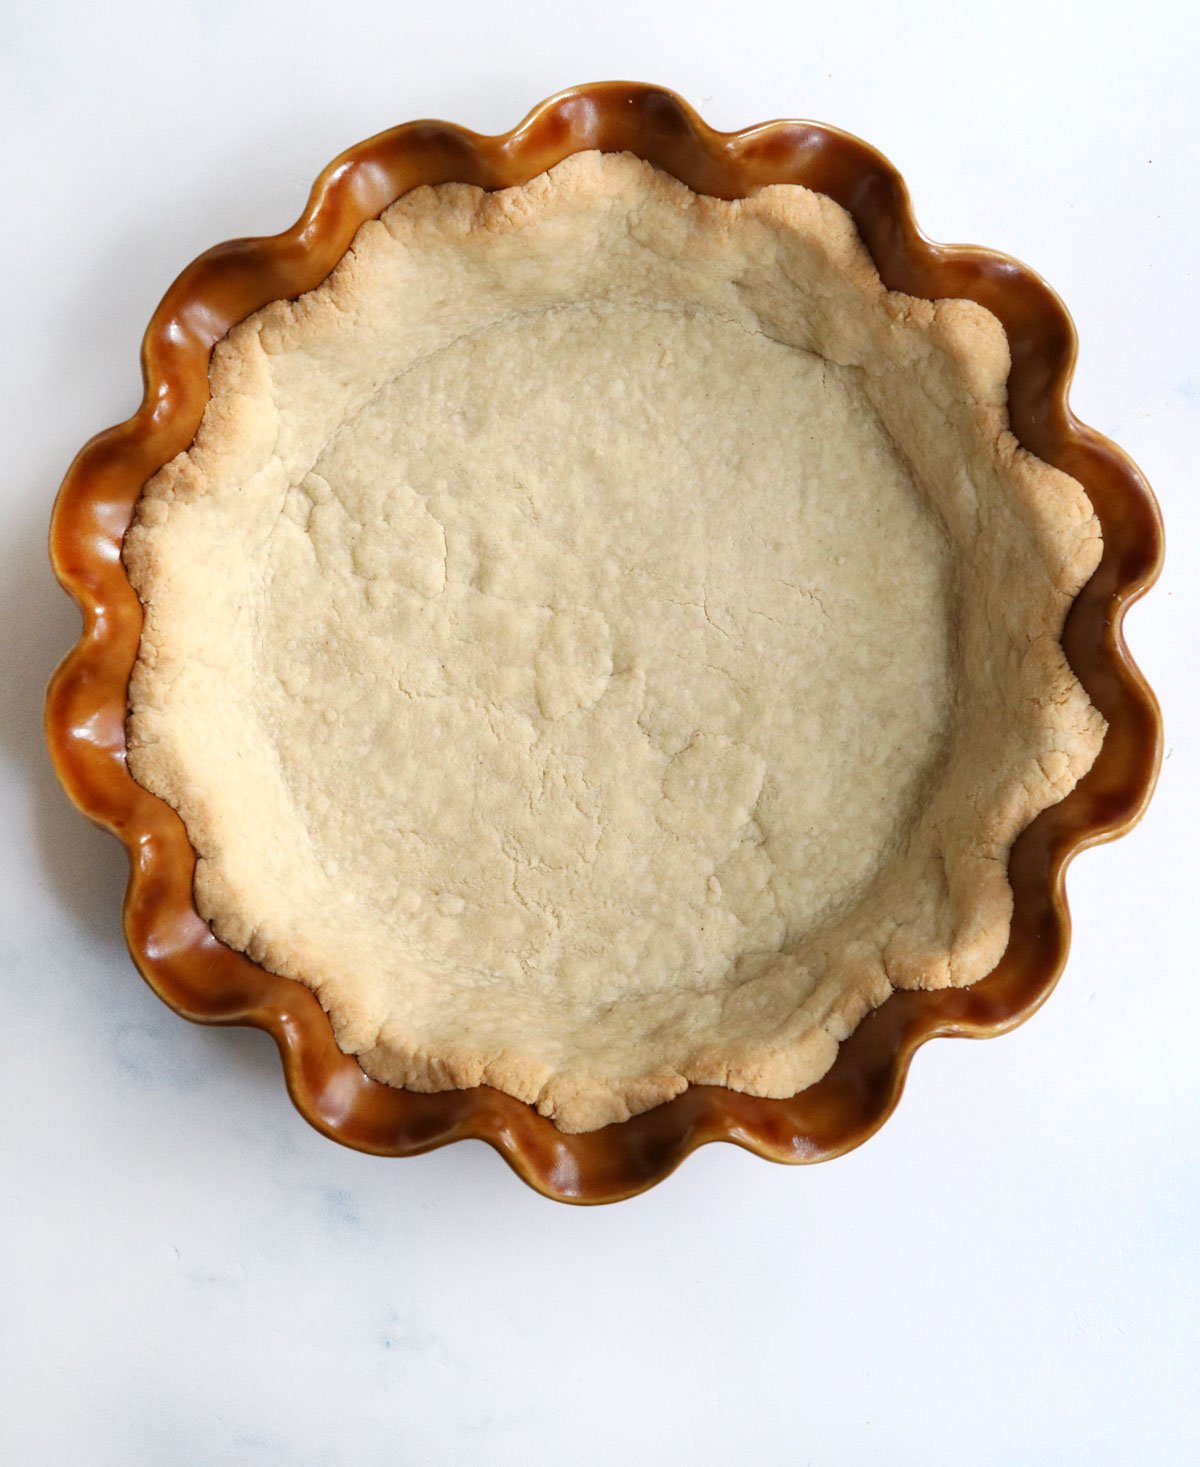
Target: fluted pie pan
{"x": 101, "y": 498}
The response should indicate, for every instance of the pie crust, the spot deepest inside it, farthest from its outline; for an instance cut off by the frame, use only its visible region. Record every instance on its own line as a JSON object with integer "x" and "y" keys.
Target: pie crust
{"x": 681, "y": 622}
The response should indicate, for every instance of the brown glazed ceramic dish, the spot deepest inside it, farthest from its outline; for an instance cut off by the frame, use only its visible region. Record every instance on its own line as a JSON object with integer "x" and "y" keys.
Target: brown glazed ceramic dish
{"x": 86, "y": 705}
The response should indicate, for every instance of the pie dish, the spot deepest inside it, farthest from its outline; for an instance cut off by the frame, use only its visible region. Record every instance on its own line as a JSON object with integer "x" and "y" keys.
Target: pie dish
{"x": 605, "y": 640}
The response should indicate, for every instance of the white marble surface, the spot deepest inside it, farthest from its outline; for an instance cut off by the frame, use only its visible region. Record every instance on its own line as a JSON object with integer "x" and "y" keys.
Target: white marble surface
{"x": 188, "y": 1275}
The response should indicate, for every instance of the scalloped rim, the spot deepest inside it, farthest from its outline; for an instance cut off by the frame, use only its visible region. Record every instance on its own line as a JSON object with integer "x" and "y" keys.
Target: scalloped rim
{"x": 86, "y": 701}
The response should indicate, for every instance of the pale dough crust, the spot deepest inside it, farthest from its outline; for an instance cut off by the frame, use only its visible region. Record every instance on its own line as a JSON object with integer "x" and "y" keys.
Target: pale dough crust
{"x": 602, "y": 640}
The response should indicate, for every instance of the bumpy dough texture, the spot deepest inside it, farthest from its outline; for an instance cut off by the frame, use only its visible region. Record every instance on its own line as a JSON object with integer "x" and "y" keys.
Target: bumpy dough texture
{"x": 601, "y": 640}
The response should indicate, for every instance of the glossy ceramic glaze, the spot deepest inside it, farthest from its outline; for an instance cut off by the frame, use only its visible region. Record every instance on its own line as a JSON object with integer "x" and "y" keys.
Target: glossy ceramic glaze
{"x": 86, "y": 703}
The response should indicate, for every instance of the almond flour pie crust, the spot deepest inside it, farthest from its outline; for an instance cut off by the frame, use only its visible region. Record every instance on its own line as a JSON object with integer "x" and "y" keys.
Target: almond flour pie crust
{"x": 602, "y": 640}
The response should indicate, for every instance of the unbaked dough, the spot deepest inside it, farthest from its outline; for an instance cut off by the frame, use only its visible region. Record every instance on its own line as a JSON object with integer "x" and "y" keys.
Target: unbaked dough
{"x": 602, "y": 641}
